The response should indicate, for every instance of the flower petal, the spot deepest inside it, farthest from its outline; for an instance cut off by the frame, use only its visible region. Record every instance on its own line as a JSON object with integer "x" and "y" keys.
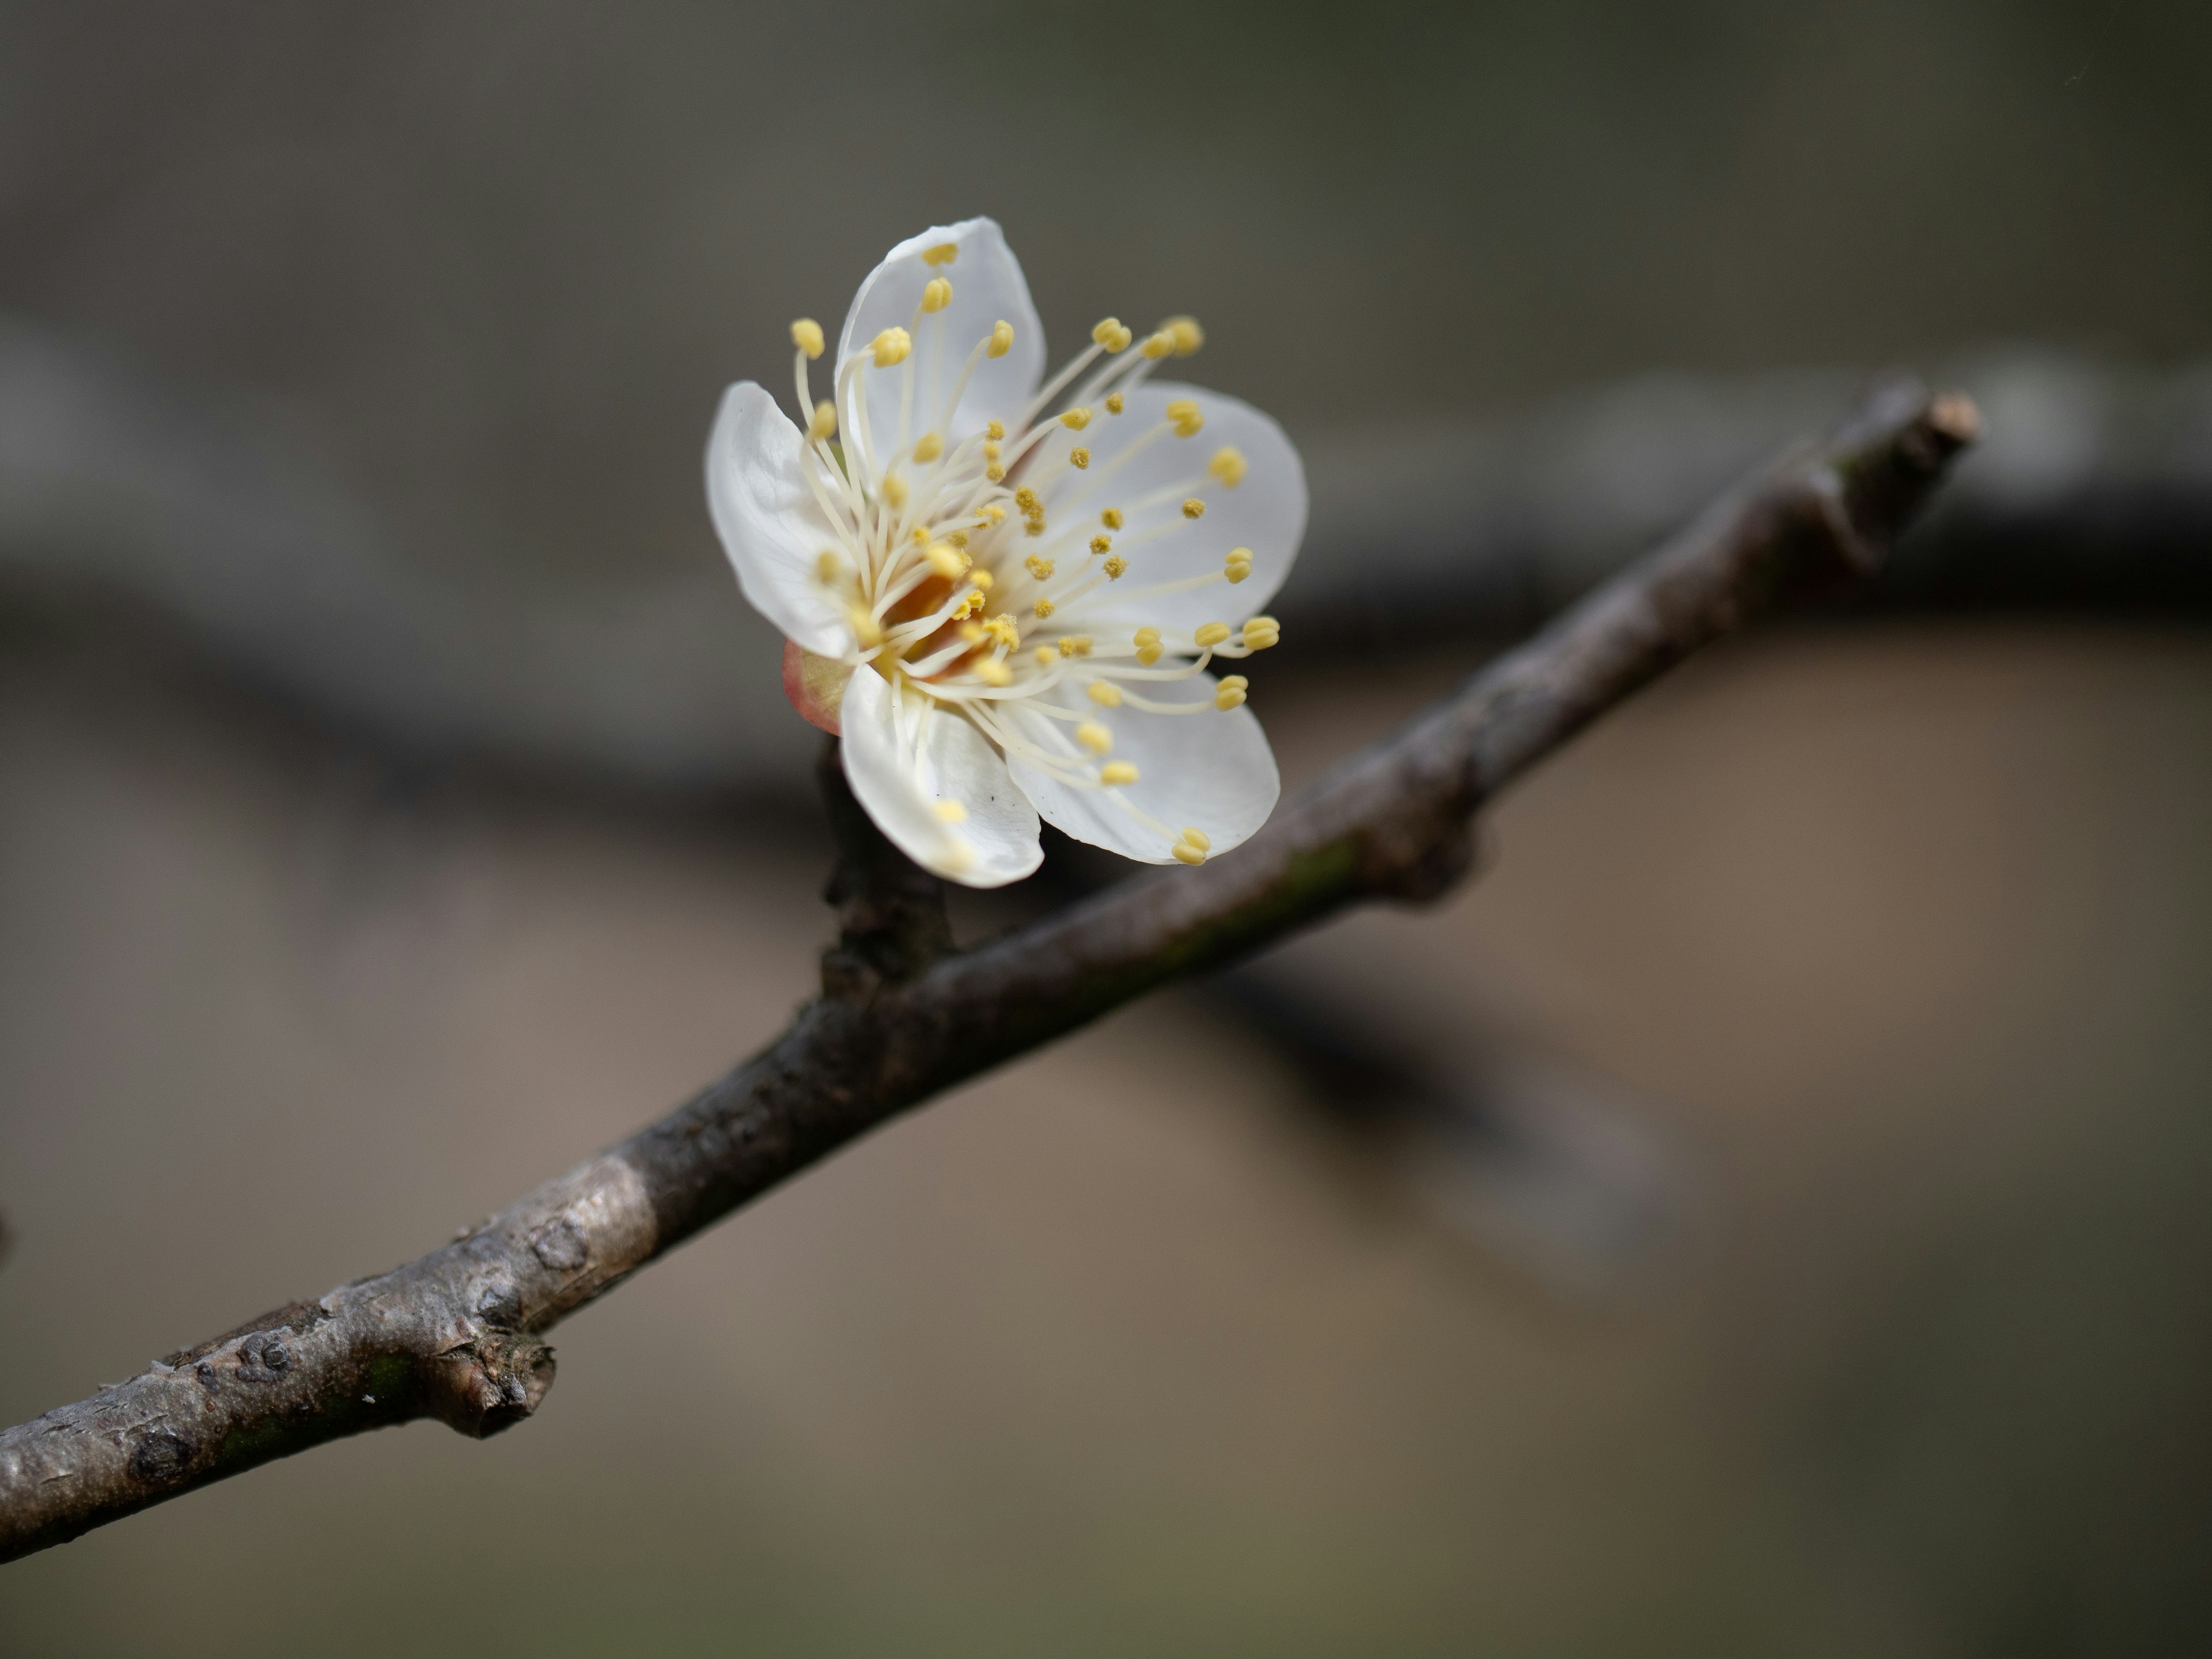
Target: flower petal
{"x": 772, "y": 528}
{"x": 987, "y": 287}
{"x": 906, "y": 757}
{"x": 1211, "y": 770}
{"x": 1265, "y": 513}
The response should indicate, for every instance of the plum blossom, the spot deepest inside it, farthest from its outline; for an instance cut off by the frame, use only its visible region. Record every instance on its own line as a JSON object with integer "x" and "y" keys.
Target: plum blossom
{"x": 1010, "y": 594}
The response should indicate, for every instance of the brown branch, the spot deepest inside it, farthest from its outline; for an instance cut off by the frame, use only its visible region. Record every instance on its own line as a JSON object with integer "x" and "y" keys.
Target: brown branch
{"x": 457, "y": 1335}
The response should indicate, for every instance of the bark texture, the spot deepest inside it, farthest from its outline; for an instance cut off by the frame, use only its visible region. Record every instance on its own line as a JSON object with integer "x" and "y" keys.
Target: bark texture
{"x": 458, "y": 1335}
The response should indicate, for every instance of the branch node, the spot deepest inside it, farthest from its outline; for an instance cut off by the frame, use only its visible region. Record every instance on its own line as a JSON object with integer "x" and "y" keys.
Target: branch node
{"x": 890, "y": 912}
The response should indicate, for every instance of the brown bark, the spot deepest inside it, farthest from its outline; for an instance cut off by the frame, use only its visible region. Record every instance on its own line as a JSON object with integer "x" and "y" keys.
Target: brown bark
{"x": 457, "y": 1335}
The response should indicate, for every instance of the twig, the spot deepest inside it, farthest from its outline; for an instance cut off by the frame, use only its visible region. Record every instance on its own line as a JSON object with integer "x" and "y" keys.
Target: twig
{"x": 457, "y": 1335}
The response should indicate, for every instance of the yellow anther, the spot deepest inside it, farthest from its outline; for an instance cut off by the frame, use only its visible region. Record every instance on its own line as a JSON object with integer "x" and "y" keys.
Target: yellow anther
{"x": 891, "y": 347}
{"x": 828, "y": 567}
{"x": 920, "y": 535}
{"x": 1188, "y": 336}
{"x": 1003, "y": 630}
{"x": 1045, "y": 655}
{"x": 1158, "y": 345}
{"x": 1079, "y": 458}
{"x": 1113, "y": 567}
{"x": 942, "y": 254}
{"x": 806, "y": 335}
{"x": 1026, "y": 500}
{"x": 1149, "y": 654}
{"x": 995, "y": 431}
{"x": 1210, "y": 633}
{"x": 1238, "y": 565}
{"x": 1196, "y": 837}
{"x": 1110, "y": 334}
{"x": 1186, "y": 854}
{"x": 1094, "y": 737}
{"x": 992, "y": 450}
{"x": 996, "y": 474}
{"x": 1105, "y": 694}
{"x": 824, "y": 424}
{"x": 1044, "y": 609}
{"x": 1074, "y": 645}
{"x": 970, "y": 604}
{"x": 864, "y": 628}
{"x": 895, "y": 491}
{"x": 1101, "y": 546}
{"x": 991, "y": 672}
{"x": 1194, "y": 508}
{"x": 947, "y": 561}
{"x": 1002, "y": 340}
{"x": 1117, "y": 772}
{"x": 1148, "y": 637}
{"x": 974, "y": 633}
{"x": 1228, "y": 465}
{"x": 1113, "y": 403}
{"x": 1111, "y": 518}
{"x": 1226, "y": 697}
{"x": 1236, "y": 680}
{"x": 1184, "y": 415}
{"x": 936, "y": 294}
{"x": 992, "y": 514}
{"x": 1075, "y": 419}
{"x": 951, "y": 812}
{"x": 928, "y": 447}
{"x": 1040, "y": 568}
{"x": 1033, "y": 527}
{"x": 1260, "y": 632}
{"x": 958, "y": 538}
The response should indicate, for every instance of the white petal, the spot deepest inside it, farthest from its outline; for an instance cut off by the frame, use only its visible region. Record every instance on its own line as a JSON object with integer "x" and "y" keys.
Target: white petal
{"x": 1265, "y": 512}
{"x": 1211, "y": 770}
{"x": 987, "y": 287}
{"x": 772, "y": 526}
{"x": 905, "y": 757}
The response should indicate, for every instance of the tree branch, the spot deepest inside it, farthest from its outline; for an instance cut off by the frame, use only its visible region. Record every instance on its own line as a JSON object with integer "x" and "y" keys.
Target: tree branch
{"x": 457, "y": 1335}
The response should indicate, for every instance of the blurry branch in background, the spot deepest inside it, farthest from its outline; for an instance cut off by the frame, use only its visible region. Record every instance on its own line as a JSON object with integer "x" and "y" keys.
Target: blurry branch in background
{"x": 457, "y": 1335}
{"x": 2093, "y": 493}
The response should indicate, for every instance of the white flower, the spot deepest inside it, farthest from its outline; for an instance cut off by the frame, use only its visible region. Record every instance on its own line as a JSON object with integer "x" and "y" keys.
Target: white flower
{"x": 1008, "y": 597}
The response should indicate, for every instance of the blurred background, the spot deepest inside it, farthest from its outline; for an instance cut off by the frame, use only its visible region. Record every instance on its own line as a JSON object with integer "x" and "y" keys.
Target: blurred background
{"x": 1764, "y": 1214}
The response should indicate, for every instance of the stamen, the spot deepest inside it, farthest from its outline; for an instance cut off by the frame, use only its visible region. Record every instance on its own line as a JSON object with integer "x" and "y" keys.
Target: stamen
{"x": 1079, "y": 458}
{"x": 1182, "y": 414}
{"x": 894, "y": 490}
{"x": 890, "y": 347}
{"x": 942, "y": 254}
{"x": 1039, "y": 569}
{"x": 928, "y": 447}
{"x": 1074, "y": 645}
{"x": 1194, "y": 508}
{"x": 1198, "y": 838}
{"x": 865, "y": 628}
{"x": 823, "y": 426}
{"x": 936, "y": 294}
{"x": 1002, "y": 342}
{"x": 991, "y": 672}
{"x": 1114, "y": 567}
{"x": 1188, "y": 336}
{"x": 1116, "y": 771}
{"x": 1260, "y": 632}
{"x": 1238, "y": 564}
{"x": 1229, "y": 692}
{"x": 1158, "y": 345}
{"x": 1148, "y": 645}
{"x": 1110, "y": 334}
{"x": 1105, "y": 694}
{"x": 1111, "y": 518}
{"x": 1101, "y": 546}
{"x": 947, "y": 561}
{"x": 1094, "y": 737}
{"x": 1210, "y": 633}
{"x": 1044, "y": 609}
{"x": 1113, "y": 403}
{"x": 1228, "y": 465}
{"x": 1192, "y": 846}
{"x": 806, "y": 335}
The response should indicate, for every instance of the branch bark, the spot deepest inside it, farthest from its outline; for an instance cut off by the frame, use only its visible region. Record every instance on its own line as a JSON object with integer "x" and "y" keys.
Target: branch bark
{"x": 458, "y": 1335}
